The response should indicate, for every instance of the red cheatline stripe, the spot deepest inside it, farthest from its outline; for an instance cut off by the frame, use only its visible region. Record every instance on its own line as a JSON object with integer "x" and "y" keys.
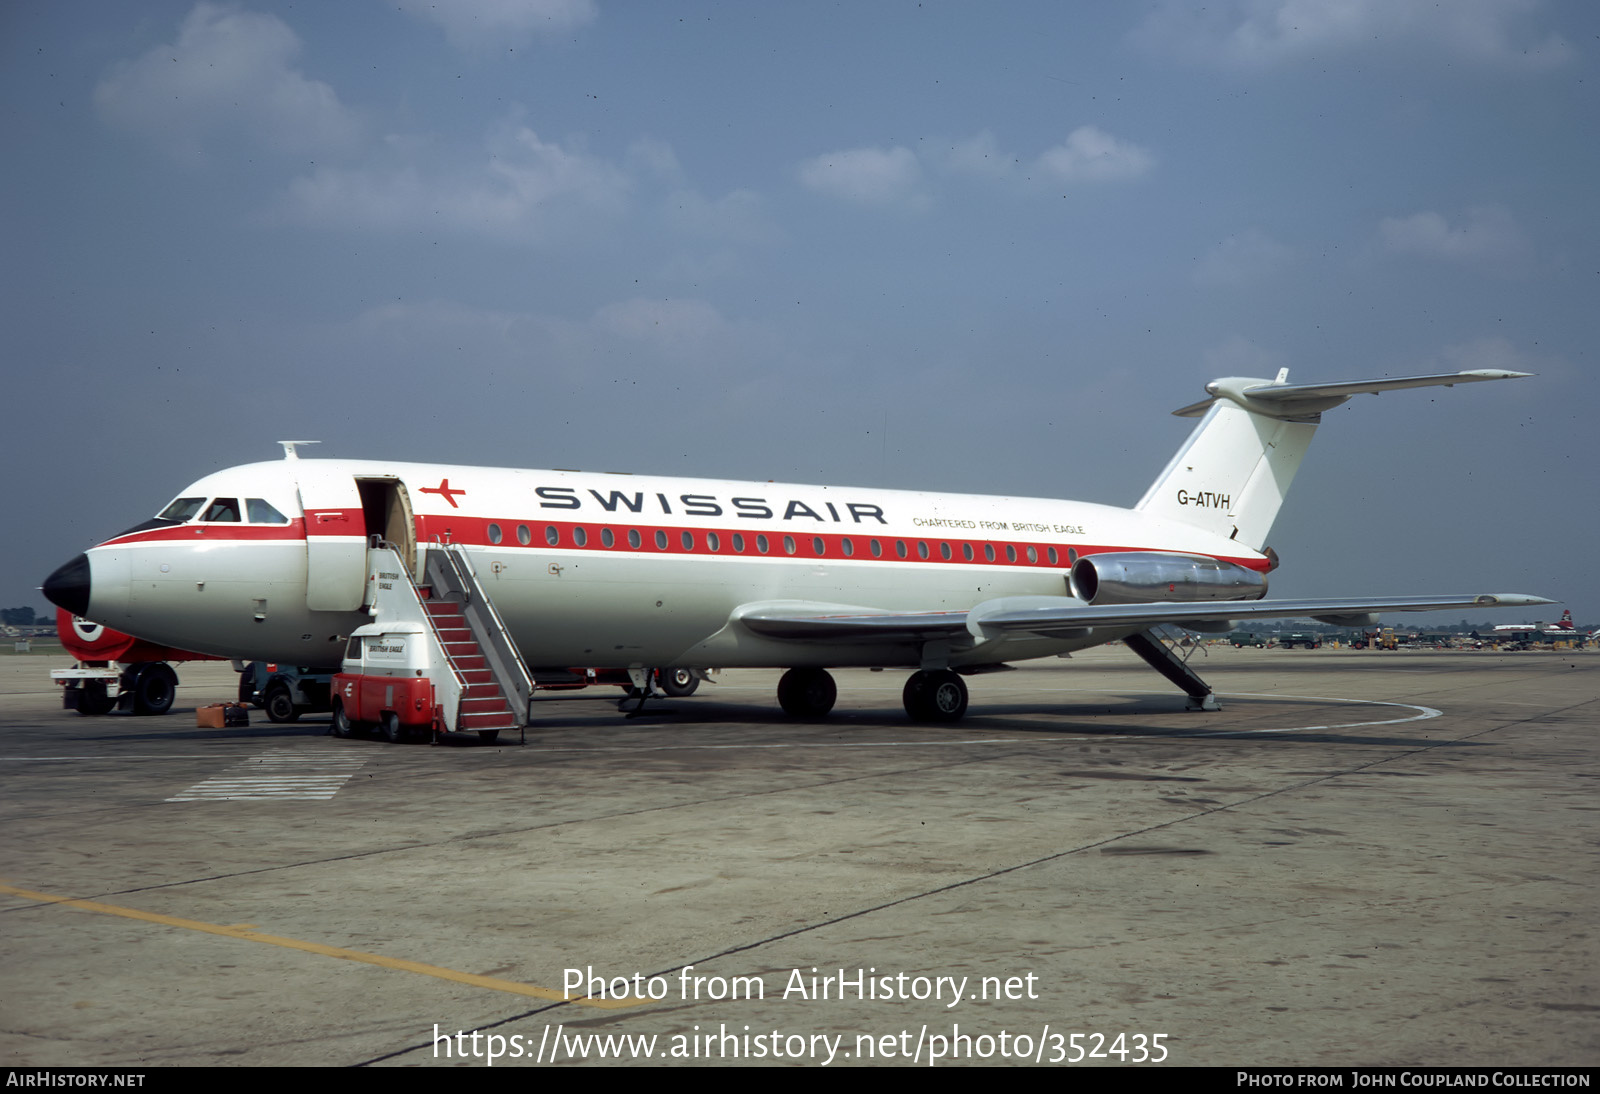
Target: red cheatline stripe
{"x": 476, "y": 531}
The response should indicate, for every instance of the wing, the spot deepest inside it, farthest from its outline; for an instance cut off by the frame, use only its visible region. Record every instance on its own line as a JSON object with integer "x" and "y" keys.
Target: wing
{"x": 1068, "y": 618}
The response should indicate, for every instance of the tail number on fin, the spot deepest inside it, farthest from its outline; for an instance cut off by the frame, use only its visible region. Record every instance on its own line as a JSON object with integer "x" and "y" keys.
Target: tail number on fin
{"x": 1205, "y": 499}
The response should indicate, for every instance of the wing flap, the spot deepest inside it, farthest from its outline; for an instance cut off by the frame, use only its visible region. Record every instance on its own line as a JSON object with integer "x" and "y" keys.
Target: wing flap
{"x": 1068, "y": 618}
{"x": 1074, "y": 615}
{"x": 799, "y": 622}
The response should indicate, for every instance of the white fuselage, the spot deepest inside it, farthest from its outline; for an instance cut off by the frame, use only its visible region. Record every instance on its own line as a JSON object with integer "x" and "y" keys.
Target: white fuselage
{"x": 600, "y": 570}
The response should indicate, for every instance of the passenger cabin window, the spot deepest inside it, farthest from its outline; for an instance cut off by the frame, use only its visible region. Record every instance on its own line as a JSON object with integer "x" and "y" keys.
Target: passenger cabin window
{"x": 352, "y": 652}
{"x": 181, "y": 510}
{"x": 223, "y": 510}
{"x": 261, "y": 512}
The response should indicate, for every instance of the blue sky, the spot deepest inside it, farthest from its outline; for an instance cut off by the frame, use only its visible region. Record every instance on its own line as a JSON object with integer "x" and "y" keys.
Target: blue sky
{"x": 929, "y": 245}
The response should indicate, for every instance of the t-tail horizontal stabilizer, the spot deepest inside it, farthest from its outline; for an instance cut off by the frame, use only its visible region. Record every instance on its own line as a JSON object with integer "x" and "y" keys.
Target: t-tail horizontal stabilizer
{"x": 1232, "y": 474}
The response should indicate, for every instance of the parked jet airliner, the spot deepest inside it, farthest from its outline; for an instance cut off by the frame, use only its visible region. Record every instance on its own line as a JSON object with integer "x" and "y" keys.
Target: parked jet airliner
{"x": 276, "y": 561}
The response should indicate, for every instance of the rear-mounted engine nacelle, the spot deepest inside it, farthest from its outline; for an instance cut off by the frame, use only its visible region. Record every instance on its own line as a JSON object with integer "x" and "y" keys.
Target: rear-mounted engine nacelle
{"x": 1140, "y": 577}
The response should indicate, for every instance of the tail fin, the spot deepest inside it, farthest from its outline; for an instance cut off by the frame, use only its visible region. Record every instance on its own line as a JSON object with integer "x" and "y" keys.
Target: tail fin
{"x": 1232, "y": 474}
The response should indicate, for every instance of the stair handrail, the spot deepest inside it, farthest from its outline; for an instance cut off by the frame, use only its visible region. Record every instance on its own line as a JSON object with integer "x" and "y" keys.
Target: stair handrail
{"x": 506, "y": 659}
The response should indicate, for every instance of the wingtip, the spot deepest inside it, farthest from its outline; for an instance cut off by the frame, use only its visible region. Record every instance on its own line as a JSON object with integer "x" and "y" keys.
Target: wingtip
{"x": 1494, "y": 374}
{"x": 1513, "y": 600}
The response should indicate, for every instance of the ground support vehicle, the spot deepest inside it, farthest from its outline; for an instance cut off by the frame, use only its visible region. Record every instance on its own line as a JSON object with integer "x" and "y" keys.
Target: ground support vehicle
{"x": 284, "y": 691}
{"x": 386, "y": 684}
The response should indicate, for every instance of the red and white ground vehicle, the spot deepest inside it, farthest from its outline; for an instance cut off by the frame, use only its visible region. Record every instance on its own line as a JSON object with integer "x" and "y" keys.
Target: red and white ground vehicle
{"x": 387, "y": 684}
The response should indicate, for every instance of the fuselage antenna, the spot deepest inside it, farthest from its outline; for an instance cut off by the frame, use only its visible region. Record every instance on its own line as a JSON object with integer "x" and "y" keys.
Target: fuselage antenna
{"x": 289, "y": 452}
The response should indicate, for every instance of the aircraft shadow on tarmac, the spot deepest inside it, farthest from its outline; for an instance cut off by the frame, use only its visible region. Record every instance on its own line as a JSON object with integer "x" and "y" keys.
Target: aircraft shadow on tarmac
{"x": 1109, "y": 715}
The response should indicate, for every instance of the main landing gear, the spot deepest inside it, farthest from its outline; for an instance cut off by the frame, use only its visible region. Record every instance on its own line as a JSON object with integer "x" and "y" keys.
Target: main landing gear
{"x": 807, "y": 693}
{"x": 930, "y": 696}
{"x": 938, "y": 695}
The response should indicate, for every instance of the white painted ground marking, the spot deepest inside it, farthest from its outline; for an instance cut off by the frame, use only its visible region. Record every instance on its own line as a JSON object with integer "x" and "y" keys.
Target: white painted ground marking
{"x": 279, "y": 775}
{"x": 1423, "y": 714}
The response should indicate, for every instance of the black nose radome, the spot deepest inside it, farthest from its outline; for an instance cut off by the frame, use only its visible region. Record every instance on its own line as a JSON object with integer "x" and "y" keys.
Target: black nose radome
{"x": 68, "y": 587}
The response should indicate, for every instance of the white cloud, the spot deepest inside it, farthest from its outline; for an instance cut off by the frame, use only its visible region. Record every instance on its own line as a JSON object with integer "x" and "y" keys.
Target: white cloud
{"x": 1093, "y": 155}
{"x": 1250, "y": 34}
{"x": 867, "y": 176}
{"x": 657, "y": 158}
{"x": 526, "y": 188}
{"x": 1489, "y": 234}
{"x": 1239, "y": 259}
{"x": 522, "y": 189}
{"x": 899, "y": 176}
{"x": 476, "y": 24}
{"x": 228, "y": 75}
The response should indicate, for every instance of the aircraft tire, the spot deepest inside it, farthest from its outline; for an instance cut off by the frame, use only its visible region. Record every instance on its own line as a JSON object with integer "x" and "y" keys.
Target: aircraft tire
{"x": 279, "y": 703}
{"x": 93, "y": 699}
{"x": 935, "y": 696}
{"x": 154, "y": 688}
{"x": 807, "y": 693}
{"x": 677, "y": 682}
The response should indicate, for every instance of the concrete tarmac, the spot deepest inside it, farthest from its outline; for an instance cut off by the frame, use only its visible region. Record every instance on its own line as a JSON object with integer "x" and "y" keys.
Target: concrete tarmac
{"x": 1365, "y": 858}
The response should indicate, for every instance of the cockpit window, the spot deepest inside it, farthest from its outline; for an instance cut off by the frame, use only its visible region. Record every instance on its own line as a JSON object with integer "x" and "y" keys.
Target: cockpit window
{"x": 181, "y": 510}
{"x": 262, "y": 512}
{"x": 223, "y": 509}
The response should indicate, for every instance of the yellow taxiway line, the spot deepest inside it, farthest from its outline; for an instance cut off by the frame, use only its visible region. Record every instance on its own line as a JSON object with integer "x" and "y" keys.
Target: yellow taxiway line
{"x": 248, "y": 933}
